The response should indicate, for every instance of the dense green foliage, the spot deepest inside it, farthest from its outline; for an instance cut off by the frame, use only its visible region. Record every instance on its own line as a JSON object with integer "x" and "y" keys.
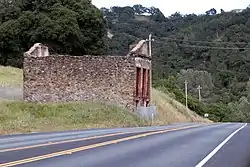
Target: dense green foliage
{"x": 211, "y": 50}
{"x": 67, "y": 26}
{"x": 217, "y": 111}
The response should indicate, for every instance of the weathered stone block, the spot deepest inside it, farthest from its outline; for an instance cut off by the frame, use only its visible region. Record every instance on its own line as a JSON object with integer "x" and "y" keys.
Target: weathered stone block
{"x": 64, "y": 78}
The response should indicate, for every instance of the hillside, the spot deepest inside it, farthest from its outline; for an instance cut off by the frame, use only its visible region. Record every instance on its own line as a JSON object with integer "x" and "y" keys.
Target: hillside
{"x": 211, "y": 50}
{"x": 19, "y": 117}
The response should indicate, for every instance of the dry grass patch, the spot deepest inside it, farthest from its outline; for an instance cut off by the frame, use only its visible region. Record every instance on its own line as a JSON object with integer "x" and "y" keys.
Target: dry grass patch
{"x": 10, "y": 76}
{"x": 172, "y": 111}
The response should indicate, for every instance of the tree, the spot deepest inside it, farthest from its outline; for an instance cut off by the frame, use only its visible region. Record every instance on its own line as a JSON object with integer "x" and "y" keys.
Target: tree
{"x": 241, "y": 109}
{"x": 196, "y": 78}
{"x": 156, "y": 14}
{"x": 211, "y": 12}
{"x": 215, "y": 46}
{"x": 73, "y": 27}
{"x": 139, "y": 9}
{"x": 207, "y": 44}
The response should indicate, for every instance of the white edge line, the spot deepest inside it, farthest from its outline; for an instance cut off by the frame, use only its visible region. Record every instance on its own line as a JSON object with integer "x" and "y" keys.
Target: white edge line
{"x": 218, "y": 147}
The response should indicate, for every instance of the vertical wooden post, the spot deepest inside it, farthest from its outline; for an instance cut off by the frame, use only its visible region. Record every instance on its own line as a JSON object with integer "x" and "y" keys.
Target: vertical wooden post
{"x": 199, "y": 89}
{"x": 138, "y": 81}
{"x": 144, "y": 86}
{"x": 138, "y": 84}
{"x": 149, "y": 84}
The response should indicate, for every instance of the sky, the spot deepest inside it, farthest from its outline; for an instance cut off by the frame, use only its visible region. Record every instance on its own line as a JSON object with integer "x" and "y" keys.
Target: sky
{"x": 183, "y": 6}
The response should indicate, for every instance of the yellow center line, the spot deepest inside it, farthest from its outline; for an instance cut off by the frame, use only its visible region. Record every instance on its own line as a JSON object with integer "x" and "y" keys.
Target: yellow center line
{"x": 69, "y": 141}
{"x": 70, "y": 151}
{"x": 62, "y": 142}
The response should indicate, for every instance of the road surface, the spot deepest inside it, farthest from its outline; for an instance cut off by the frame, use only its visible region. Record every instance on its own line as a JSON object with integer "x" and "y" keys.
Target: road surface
{"x": 179, "y": 145}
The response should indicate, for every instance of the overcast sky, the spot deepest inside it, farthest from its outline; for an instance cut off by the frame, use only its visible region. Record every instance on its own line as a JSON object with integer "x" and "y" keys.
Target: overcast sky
{"x": 183, "y": 6}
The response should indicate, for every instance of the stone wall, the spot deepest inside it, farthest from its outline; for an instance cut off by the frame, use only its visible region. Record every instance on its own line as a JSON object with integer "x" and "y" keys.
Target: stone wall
{"x": 119, "y": 80}
{"x": 78, "y": 78}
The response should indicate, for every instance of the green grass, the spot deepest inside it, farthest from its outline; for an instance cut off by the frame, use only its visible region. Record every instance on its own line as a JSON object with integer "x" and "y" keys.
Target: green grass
{"x": 20, "y": 117}
{"x": 10, "y": 76}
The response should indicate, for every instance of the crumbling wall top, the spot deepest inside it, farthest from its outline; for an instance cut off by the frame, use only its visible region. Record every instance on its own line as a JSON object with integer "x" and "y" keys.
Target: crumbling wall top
{"x": 37, "y": 50}
{"x": 140, "y": 49}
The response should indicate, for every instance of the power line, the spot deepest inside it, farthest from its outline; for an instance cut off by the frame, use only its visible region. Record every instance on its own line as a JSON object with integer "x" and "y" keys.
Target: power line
{"x": 208, "y": 42}
{"x": 208, "y": 47}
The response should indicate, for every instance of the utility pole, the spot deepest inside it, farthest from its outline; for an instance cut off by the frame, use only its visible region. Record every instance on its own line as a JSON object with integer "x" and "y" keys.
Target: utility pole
{"x": 199, "y": 89}
{"x": 186, "y": 92}
{"x": 150, "y": 40}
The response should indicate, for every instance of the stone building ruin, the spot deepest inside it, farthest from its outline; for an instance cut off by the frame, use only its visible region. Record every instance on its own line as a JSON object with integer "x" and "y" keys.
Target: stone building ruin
{"x": 120, "y": 80}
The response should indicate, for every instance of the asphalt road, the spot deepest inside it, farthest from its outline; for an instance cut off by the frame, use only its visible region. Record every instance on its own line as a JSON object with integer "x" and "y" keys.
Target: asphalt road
{"x": 179, "y": 145}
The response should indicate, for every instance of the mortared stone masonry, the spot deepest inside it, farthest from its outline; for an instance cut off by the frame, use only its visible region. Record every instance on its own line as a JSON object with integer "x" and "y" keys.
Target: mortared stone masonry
{"x": 119, "y": 80}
